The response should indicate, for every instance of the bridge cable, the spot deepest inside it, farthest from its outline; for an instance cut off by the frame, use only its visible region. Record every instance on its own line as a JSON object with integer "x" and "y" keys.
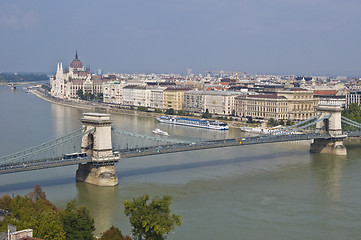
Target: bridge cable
{"x": 42, "y": 147}
{"x": 350, "y": 122}
{"x": 298, "y": 124}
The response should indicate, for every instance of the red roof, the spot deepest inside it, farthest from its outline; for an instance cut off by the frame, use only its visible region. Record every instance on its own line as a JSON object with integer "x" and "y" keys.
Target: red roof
{"x": 325, "y": 92}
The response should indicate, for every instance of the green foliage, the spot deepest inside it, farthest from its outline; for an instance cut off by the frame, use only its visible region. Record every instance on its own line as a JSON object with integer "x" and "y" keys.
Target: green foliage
{"x": 141, "y": 108}
{"x": 46, "y": 87}
{"x": 206, "y": 114}
{"x": 353, "y": 112}
{"x": 36, "y": 212}
{"x": 158, "y": 111}
{"x": 170, "y": 111}
{"x": 99, "y": 97}
{"x": 38, "y": 215}
{"x": 80, "y": 93}
{"x": 151, "y": 220}
{"x": 22, "y": 77}
{"x": 183, "y": 113}
{"x": 5, "y": 202}
{"x": 112, "y": 233}
{"x": 272, "y": 122}
{"x": 290, "y": 123}
{"x": 77, "y": 222}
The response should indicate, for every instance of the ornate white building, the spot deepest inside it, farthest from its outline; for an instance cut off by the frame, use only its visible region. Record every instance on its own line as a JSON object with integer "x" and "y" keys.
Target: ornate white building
{"x": 66, "y": 83}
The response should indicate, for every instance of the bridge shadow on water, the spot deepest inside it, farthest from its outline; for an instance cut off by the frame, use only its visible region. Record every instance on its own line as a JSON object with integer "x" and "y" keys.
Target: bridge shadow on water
{"x": 210, "y": 163}
{"x": 56, "y": 181}
{"x": 29, "y": 184}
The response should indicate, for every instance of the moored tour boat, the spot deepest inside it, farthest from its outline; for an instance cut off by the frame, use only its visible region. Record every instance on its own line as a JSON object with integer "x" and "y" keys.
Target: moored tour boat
{"x": 191, "y": 122}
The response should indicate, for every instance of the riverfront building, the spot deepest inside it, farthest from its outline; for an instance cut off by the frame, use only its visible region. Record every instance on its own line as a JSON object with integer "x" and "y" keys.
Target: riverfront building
{"x": 353, "y": 97}
{"x": 174, "y": 98}
{"x": 66, "y": 83}
{"x": 113, "y": 92}
{"x": 294, "y": 104}
{"x": 262, "y": 106}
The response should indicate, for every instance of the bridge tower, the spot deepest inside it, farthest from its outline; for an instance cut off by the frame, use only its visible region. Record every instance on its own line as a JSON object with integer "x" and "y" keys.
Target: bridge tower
{"x": 98, "y": 145}
{"x": 332, "y": 126}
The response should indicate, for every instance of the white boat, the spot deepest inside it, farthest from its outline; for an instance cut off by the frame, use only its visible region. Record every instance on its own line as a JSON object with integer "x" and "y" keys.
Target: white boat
{"x": 160, "y": 132}
{"x": 256, "y": 130}
{"x": 191, "y": 122}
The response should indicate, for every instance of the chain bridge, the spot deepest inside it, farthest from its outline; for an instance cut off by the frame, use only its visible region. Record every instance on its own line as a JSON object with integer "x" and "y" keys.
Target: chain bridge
{"x": 97, "y": 146}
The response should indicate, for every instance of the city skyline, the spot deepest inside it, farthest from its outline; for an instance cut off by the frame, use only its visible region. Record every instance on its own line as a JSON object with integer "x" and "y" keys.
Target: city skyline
{"x": 279, "y": 37}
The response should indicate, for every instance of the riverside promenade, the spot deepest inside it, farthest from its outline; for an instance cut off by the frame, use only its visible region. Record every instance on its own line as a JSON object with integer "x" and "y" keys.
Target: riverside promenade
{"x": 111, "y": 108}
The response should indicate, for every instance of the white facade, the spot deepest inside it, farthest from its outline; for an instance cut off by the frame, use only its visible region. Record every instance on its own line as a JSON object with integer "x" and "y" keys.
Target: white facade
{"x": 157, "y": 98}
{"x": 221, "y": 103}
{"x": 141, "y": 96}
{"x": 66, "y": 83}
{"x": 113, "y": 92}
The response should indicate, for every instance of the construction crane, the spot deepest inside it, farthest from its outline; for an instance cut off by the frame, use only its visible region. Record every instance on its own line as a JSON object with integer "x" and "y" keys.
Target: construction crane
{"x": 222, "y": 74}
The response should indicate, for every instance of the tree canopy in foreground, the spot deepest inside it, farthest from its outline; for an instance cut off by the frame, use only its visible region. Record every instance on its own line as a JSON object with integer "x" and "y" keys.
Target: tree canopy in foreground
{"x": 151, "y": 219}
{"x": 34, "y": 211}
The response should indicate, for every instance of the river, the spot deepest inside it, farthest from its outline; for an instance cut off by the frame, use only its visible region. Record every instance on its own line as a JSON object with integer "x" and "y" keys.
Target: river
{"x": 268, "y": 191}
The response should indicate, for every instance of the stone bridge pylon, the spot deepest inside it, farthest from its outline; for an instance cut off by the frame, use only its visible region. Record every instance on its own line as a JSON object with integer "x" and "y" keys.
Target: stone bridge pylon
{"x": 332, "y": 126}
{"x": 98, "y": 145}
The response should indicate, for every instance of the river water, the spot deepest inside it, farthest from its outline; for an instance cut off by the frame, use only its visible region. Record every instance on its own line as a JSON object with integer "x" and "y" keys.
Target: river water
{"x": 268, "y": 191}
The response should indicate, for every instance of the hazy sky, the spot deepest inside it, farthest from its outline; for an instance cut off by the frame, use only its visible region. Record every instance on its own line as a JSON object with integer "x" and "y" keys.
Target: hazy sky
{"x": 143, "y": 36}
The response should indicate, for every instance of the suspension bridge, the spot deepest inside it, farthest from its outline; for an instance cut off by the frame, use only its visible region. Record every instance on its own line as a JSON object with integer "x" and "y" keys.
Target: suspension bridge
{"x": 92, "y": 146}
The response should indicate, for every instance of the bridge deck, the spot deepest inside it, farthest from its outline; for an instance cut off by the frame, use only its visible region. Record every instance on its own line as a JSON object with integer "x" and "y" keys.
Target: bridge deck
{"x": 162, "y": 149}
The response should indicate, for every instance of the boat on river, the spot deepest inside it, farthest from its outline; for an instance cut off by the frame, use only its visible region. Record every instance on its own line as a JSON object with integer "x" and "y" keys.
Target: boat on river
{"x": 191, "y": 122}
{"x": 160, "y": 132}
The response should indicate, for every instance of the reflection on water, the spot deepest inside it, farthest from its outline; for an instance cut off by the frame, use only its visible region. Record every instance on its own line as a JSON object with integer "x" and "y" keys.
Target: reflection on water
{"x": 65, "y": 119}
{"x": 101, "y": 201}
{"x": 328, "y": 171}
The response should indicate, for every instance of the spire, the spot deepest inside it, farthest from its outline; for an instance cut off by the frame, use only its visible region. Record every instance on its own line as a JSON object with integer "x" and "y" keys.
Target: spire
{"x": 57, "y": 69}
{"x": 76, "y": 54}
{"x": 61, "y": 67}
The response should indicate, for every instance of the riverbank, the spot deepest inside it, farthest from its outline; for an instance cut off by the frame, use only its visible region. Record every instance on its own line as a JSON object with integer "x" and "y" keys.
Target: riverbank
{"x": 108, "y": 108}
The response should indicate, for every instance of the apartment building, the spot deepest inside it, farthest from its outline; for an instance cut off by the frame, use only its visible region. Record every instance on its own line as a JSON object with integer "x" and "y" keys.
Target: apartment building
{"x": 353, "y": 97}
{"x": 174, "y": 98}
{"x": 220, "y": 102}
{"x": 113, "y": 92}
{"x": 157, "y": 97}
{"x": 194, "y": 101}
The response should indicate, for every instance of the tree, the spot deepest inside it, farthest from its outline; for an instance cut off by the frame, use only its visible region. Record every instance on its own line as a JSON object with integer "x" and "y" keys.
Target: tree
{"x": 272, "y": 122}
{"x": 39, "y": 216}
{"x": 207, "y": 114}
{"x": 113, "y": 233}
{"x": 170, "y": 111}
{"x": 151, "y": 220}
{"x": 353, "y": 112}
{"x": 5, "y": 202}
{"x": 77, "y": 222}
{"x": 80, "y": 93}
{"x": 37, "y": 194}
{"x": 289, "y": 122}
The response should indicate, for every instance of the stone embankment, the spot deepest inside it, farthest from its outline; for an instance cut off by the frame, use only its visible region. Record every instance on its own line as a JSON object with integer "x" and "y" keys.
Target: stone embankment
{"x": 103, "y": 107}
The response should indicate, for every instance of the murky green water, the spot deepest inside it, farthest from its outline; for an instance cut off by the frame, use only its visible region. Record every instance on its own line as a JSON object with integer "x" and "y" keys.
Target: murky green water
{"x": 270, "y": 191}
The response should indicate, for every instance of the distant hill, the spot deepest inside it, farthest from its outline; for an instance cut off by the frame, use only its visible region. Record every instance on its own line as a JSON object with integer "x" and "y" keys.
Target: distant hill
{"x": 23, "y": 77}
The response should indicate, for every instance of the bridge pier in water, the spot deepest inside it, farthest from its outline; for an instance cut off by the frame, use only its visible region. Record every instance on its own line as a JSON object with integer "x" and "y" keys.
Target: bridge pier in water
{"x": 98, "y": 145}
{"x": 332, "y": 126}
